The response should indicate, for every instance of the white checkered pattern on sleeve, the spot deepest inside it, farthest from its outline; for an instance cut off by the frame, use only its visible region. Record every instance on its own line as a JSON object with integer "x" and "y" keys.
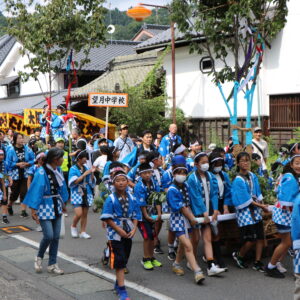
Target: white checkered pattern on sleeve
{"x": 46, "y": 211}
{"x": 297, "y": 261}
{"x": 282, "y": 216}
{"x": 244, "y": 217}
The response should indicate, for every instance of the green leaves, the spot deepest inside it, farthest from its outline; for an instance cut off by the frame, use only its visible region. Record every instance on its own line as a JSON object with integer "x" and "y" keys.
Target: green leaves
{"x": 147, "y": 107}
{"x": 50, "y": 31}
{"x": 223, "y": 24}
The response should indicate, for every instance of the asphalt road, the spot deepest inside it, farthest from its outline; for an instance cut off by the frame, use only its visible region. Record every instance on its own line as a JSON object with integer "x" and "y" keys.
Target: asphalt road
{"x": 233, "y": 285}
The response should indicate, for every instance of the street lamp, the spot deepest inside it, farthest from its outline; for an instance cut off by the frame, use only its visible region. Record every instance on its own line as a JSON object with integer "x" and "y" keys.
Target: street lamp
{"x": 139, "y": 13}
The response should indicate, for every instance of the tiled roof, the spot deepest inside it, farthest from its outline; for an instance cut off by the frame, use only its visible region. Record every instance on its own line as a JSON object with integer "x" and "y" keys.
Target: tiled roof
{"x": 162, "y": 39}
{"x": 6, "y": 43}
{"x": 154, "y": 29}
{"x": 125, "y": 70}
{"x": 101, "y": 56}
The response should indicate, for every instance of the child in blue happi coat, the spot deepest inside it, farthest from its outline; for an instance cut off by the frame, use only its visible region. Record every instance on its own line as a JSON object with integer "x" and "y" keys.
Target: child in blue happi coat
{"x": 39, "y": 162}
{"x": 142, "y": 191}
{"x": 3, "y": 192}
{"x": 19, "y": 158}
{"x": 133, "y": 174}
{"x": 203, "y": 191}
{"x": 287, "y": 192}
{"x": 296, "y": 242}
{"x": 46, "y": 197}
{"x": 7, "y": 182}
{"x": 182, "y": 220}
{"x": 121, "y": 213}
{"x": 216, "y": 167}
{"x": 58, "y": 122}
{"x": 81, "y": 184}
{"x": 155, "y": 161}
{"x": 247, "y": 200}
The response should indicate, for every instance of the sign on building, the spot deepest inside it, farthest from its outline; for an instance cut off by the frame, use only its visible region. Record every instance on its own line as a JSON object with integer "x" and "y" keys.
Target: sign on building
{"x": 108, "y": 100}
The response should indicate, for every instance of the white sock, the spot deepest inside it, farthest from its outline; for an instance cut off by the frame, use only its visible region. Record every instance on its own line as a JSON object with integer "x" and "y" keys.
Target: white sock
{"x": 270, "y": 266}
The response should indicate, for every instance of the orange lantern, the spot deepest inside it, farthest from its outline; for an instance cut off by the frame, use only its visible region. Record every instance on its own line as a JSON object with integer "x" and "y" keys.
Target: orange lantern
{"x": 139, "y": 13}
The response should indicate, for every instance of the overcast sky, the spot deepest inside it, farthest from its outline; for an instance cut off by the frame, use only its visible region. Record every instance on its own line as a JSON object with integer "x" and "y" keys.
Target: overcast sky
{"x": 125, "y": 4}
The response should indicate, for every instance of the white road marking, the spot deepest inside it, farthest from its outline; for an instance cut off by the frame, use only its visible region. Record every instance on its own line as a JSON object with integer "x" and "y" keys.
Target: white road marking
{"x": 99, "y": 272}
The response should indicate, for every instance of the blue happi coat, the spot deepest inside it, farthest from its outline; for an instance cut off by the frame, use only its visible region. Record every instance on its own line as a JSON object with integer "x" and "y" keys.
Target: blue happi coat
{"x": 296, "y": 233}
{"x": 227, "y": 189}
{"x": 39, "y": 196}
{"x": 243, "y": 195}
{"x": 167, "y": 179}
{"x": 76, "y": 189}
{"x": 112, "y": 209}
{"x": 12, "y": 160}
{"x": 142, "y": 193}
{"x": 287, "y": 191}
{"x": 165, "y": 145}
{"x": 197, "y": 193}
{"x": 176, "y": 201}
{"x": 57, "y": 126}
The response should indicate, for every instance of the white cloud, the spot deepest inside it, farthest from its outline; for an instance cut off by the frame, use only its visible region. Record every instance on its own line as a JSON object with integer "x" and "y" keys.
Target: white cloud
{"x": 125, "y": 4}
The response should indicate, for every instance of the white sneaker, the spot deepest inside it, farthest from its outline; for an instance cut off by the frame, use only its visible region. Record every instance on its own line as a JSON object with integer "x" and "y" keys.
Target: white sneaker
{"x": 55, "y": 269}
{"x": 38, "y": 265}
{"x": 39, "y": 229}
{"x": 281, "y": 268}
{"x": 65, "y": 214}
{"x": 84, "y": 235}
{"x": 214, "y": 270}
{"x": 74, "y": 232}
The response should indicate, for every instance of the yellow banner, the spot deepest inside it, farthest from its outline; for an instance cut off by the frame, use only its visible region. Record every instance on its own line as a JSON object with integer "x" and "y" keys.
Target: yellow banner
{"x": 14, "y": 122}
{"x": 87, "y": 124}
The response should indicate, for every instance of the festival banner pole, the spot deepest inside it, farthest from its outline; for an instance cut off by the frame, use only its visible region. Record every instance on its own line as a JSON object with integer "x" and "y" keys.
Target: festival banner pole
{"x": 106, "y": 122}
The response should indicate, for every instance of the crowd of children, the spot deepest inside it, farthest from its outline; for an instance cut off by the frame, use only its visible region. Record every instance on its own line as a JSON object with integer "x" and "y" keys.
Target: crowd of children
{"x": 152, "y": 183}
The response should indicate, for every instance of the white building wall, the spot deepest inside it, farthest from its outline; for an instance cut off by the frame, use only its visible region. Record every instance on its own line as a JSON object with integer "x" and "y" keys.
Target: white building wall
{"x": 15, "y": 63}
{"x": 199, "y": 97}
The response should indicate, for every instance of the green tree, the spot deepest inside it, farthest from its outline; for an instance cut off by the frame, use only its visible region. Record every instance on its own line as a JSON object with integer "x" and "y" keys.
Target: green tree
{"x": 147, "y": 107}
{"x": 3, "y": 24}
{"x": 237, "y": 31}
{"x": 51, "y": 30}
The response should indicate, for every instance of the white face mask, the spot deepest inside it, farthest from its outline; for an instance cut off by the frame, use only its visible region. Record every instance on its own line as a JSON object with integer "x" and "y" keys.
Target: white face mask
{"x": 180, "y": 178}
{"x": 217, "y": 169}
{"x": 204, "y": 167}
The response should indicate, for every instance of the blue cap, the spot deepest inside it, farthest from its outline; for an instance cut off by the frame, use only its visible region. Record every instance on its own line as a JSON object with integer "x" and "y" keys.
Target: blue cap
{"x": 178, "y": 160}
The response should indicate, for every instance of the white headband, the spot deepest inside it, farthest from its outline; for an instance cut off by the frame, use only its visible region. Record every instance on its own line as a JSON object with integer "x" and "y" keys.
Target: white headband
{"x": 200, "y": 153}
{"x": 179, "y": 168}
{"x": 217, "y": 158}
{"x": 147, "y": 170}
{"x": 293, "y": 147}
{"x": 118, "y": 175}
{"x": 294, "y": 156}
{"x": 42, "y": 154}
{"x": 195, "y": 144}
{"x": 180, "y": 149}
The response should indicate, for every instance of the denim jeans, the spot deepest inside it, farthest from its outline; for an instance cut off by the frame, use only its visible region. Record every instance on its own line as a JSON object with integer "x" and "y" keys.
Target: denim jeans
{"x": 51, "y": 232}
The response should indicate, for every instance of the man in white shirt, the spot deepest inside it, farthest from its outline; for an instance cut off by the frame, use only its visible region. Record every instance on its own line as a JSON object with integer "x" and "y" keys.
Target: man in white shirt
{"x": 124, "y": 143}
{"x": 260, "y": 146}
